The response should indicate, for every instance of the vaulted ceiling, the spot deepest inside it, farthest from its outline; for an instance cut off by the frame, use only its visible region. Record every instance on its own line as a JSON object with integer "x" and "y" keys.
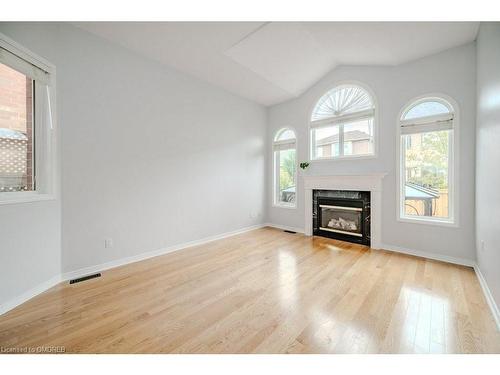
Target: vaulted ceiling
{"x": 271, "y": 62}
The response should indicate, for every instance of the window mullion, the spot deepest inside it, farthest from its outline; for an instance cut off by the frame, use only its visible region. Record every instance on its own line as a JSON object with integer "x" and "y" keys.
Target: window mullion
{"x": 313, "y": 145}
{"x": 276, "y": 177}
{"x": 341, "y": 140}
{"x": 402, "y": 180}
{"x": 451, "y": 175}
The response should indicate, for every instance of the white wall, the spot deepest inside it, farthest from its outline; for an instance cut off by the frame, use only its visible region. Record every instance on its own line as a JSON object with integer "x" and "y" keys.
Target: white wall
{"x": 150, "y": 157}
{"x": 30, "y": 233}
{"x": 488, "y": 156}
{"x": 451, "y": 72}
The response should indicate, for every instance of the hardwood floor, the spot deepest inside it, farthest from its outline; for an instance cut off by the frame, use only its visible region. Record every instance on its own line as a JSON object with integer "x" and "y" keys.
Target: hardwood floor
{"x": 264, "y": 291}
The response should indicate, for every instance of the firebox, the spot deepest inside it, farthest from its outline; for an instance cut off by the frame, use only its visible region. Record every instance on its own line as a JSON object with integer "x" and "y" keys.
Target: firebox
{"x": 343, "y": 215}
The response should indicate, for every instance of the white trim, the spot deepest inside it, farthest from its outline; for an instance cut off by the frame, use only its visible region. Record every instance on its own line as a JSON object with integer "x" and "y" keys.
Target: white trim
{"x": 344, "y": 158}
{"x": 9, "y": 305}
{"x": 488, "y": 296}
{"x": 25, "y": 197}
{"x": 426, "y": 98}
{"x": 453, "y": 159}
{"x": 291, "y": 144}
{"x": 284, "y": 227}
{"x": 441, "y": 119}
{"x": 285, "y": 205}
{"x": 349, "y": 117}
{"x": 151, "y": 254}
{"x": 367, "y": 182}
{"x": 29, "y": 294}
{"x": 424, "y": 254}
{"x": 24, "y": 53}
{"x": 428, "y": 221}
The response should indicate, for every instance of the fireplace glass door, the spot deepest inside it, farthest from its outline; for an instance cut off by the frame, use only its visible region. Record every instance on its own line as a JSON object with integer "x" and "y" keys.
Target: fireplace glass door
{"x": 341, "y": 219}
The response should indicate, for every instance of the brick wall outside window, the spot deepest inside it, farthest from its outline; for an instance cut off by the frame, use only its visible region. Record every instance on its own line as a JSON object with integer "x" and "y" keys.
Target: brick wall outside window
{"x": 16, "y": 131}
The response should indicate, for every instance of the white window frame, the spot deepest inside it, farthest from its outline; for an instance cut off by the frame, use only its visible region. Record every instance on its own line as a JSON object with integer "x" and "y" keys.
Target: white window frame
{"x": 453, "y": 159}
{"x": 290, "y": 144}
{"x": 328, "y": 122}
{"x": 44, "y": 126}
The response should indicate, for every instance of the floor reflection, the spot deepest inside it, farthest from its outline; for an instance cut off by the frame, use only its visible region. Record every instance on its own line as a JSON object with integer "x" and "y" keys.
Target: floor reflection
{"x": 424, "y": 320}
{"x": 287, "y": 271}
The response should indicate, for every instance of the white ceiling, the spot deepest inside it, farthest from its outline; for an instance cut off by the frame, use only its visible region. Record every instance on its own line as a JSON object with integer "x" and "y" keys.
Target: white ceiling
{"x": 270, "y": 62}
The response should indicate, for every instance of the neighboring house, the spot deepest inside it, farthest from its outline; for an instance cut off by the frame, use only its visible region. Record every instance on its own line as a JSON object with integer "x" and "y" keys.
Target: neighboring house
{"x": 355, "y": 142}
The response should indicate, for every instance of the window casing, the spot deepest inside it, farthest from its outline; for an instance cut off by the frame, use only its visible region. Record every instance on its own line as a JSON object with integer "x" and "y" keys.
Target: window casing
{"x": 427, "y": 173}
{"x": 27, "y": 141}
{"x": 342, "y": 124}
{"x": 285, "y": 169}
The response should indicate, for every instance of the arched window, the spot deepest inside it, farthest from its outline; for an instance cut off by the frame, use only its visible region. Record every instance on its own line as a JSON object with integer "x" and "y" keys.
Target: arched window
{"x": 426, "y": 159}
{"x": 285, "y": 168}
{"x": 342, "y": 124}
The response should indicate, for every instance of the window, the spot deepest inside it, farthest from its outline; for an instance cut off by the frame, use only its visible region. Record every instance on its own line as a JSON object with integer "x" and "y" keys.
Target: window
{"x": 342, "y": 124}
{"x": 285, "y": 168}
{"x": 26, "y": 142}
{"x": 426, "y": 173}
{"x": 16, "y": 131}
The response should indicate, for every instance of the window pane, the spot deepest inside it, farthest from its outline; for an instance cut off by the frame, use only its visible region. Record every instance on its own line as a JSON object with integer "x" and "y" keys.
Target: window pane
{"x": 426, "y": 174}
{"x": 325, "y": 142}
{"x": 16, "y": 131}
{"x": 424, "y": 109}
{"x": 358, "y": 137}
{"x": 285, "y": 135}
{"x": 287, "y": 170}
{"x": 340, "y": 101}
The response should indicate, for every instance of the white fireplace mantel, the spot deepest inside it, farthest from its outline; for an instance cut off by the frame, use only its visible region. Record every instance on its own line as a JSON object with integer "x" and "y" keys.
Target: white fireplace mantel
{"x": 367, "y": 182}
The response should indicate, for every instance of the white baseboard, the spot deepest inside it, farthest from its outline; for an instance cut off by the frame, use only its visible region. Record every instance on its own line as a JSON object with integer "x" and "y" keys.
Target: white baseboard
{"x": 425, "y": 254}
{"x": 151, "y": 254}
{"x": 284, "y": 227}
{"x": 9, "y": 305}
{"x": 489, "y": 297}
{"x": 29, "y": 294}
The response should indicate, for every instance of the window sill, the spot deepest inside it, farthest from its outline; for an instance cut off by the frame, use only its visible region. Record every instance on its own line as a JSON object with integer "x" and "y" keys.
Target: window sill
{"x": 436, "y": 222}
{"x": 289, "y": 207}
{"x": 28, "y": 197}
{"x": 344, "y": 158}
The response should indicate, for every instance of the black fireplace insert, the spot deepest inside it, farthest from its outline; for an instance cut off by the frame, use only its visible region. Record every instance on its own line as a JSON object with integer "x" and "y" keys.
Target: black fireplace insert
{"x": 342, "y": 215}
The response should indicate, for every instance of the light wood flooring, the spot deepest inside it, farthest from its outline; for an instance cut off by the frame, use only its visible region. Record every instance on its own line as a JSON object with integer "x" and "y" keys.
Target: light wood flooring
{"x": 264, "y": 291}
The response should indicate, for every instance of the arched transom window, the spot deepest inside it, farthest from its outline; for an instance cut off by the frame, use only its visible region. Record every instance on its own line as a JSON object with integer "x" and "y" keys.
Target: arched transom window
{"x": 285, "y": 168}
{"x": 426, "y": 174}
{"x": 342, "y": 124}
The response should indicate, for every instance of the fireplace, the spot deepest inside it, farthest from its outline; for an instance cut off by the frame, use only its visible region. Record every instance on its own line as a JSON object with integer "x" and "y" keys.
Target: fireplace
{"x": 342, "y": 215}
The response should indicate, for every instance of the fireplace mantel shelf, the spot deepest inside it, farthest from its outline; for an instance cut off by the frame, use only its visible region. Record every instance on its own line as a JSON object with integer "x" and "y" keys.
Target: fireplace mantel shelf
{"x": 362, "y": 182}
{"x": 369, "y": 182}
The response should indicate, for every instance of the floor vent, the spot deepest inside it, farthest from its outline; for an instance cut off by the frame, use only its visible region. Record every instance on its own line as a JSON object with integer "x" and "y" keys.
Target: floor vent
{"x": 80, "y": 279}
{"x": 289, "y": 231}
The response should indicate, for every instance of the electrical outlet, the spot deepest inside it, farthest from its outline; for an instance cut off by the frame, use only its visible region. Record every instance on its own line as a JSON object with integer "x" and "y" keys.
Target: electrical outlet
{"x": 108, "y": 243}
{"x": 482, "y": 245}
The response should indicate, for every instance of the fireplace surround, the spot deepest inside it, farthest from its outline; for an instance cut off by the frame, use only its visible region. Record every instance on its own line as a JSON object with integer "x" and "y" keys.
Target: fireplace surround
{"x": 361, "y": 183}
